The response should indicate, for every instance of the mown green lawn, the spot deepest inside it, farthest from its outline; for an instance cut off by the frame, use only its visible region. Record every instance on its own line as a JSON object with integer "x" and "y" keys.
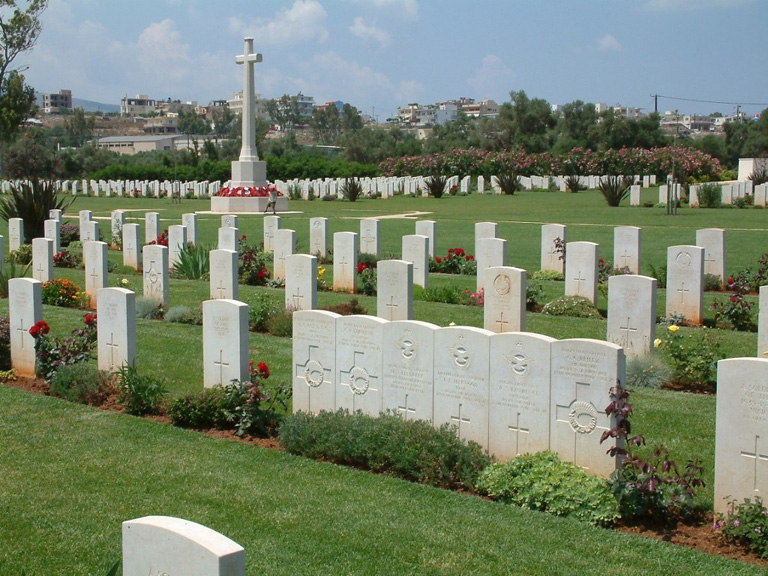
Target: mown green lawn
{"x": 69, "y": 475}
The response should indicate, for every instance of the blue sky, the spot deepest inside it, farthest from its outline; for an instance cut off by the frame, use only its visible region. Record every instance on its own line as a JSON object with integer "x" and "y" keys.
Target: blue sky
{"x": 381, "y": 54}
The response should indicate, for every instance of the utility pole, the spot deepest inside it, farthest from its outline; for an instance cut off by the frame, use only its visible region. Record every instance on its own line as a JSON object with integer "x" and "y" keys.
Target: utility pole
{"x": 655, "y": 103}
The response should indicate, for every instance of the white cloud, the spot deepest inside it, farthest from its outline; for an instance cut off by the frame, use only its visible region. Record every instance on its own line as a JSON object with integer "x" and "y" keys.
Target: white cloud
{"x": 492, "y": 79}
{"x": 406, "y": 8}
{"x": 304, "y": 21}
{"x": 608, "y": 43}
{"x": 370, "y": 32}
{"x": 662, "y": 5}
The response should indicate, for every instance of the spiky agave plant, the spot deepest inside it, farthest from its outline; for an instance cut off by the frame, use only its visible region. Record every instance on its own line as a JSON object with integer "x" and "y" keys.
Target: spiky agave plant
{"x": 32, "y": 200}
{"x": 615, "y": 189}
{"x": 193, "y": 263}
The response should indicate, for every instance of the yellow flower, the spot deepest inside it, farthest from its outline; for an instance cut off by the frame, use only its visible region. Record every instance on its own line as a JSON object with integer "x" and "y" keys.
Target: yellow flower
{"x": 124, "y": 281}
{"x": 673, "y": 328}
{"x": 765, "y": 353}
{"x": 657, "y": 343}
{"x": 320, "y": 272}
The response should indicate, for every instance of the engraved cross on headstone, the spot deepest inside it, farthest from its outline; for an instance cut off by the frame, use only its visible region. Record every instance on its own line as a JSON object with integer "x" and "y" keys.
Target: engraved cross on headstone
{"x": 563, "y": 415}
{"x": 112, "y": 347}
{"x": 459, "y": 420}
{"x": 298, "y": 299}
{"x": 517, "y": 429}
{"x": 221, "y": 289}
{"x": 625, "y": 259}
{"x": 501, "y": 322}
{"x": 757, "y": 457}
{"x": 578, "y": 281}
{"x": 406, "y": 409}
{"x": 391, "y": 306}
{"x": 627, "y": 329}
{"x": 682, "y": 290}
{"x": 21, "y": 330}
{"x": 357, "y": 374}
{"x": 221, "y": 364}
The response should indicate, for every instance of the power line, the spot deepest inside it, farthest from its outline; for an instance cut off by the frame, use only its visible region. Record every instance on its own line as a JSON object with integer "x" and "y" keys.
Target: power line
{"x": 709, "y": 101}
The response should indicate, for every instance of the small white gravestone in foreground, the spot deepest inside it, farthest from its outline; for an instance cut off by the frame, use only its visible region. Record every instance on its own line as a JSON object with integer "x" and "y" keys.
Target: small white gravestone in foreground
{"x": 370, "y": 229}
{"x": 15, "y": 234}
{"x": 318, "y": 237}
{"x": 345, "y": 261}
{"x": 485, "y": 230}
{"x": 165, "y": 546}
{"x": 95, "y": 262}
{"x": 394, "y": 298}
{"x": 116, "y": 328}
{"x": 151, "y": 227}
{"x": 229, "y": 221}
{"x": 489, "y": 252}
{"x": 551, "y": 258}
{"x": 229, "y": 238}
{"x": 52, "y": 230}
{"x": 91, "y": 229}
{"x": 408, "y": 352}
{"x": 285, "y": 246}
{"x": 359, "y": 364}
{"x": 462, "y": 381}
{"x": 632, "y": 313}
{"x": 519, "y": 398}
{"x": 25, "y": 309}
{"x": 42, "y": 259}
{"x": 156, "y": 273}
{"x": 300, "y": 282}
{"x": 583, "y": 373}
{"x": 314, "y": 361}
{"x": 428, "y": 228}
{"x": 131, "y": 246}
{"x": 504, "y": 299}
{"x": 225, "y": 342}
{"x": 271, "y": 226}
{"x": 626, "y": 248}
{"x": 741, "y": 431}
{"x": 685, "y": 282}
{"x": 223, "y": 282}
{"x": 416, "y": 251}
{"x": 581, "y": 270}
{"x": 713, "y": 242}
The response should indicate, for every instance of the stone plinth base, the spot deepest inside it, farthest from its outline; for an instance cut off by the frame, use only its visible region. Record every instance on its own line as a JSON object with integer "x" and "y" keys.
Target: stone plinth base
{"x": 235, "y": 204}
{"x": 248, "y": 173}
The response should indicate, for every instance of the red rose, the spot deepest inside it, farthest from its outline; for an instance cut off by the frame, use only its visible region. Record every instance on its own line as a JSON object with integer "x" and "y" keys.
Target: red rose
{"x": 263, "y": 370}
{"x": 438, "y": 260}
{"x": 34, "y": 331}
{"x": 90, "y": 319}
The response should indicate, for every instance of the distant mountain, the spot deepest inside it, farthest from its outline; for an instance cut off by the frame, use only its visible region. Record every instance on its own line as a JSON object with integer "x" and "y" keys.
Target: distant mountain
{"x": 91, "y": 106}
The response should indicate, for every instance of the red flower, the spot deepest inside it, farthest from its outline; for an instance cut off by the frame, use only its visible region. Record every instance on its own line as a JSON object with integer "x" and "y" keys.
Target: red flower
{"x": 470, "y": 258}
{"x": 734, "y": 298}
{"x": 39, "y": 328}
{"x": 90, "y": 319}
{"x": 730, "y": 280}
{"x": 438, "y": 260}
{"x": 360, "y": 267}
{"x": 263, "y": 370}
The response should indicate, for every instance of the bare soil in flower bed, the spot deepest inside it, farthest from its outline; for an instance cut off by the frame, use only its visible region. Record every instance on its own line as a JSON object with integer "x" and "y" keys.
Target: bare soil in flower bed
{"x": 696, "y": 534}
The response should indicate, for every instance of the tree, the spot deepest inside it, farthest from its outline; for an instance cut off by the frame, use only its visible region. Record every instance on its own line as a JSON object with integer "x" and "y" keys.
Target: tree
{"x": 191, "y": 123}
{"x": 524, "y": 123}
{"x": 326, "y": 124}
{"x": 576, "y": 127}
{"x": 284, "y": 112}
{"x": 19, "y": 30}
{"x": 78, "y": 128}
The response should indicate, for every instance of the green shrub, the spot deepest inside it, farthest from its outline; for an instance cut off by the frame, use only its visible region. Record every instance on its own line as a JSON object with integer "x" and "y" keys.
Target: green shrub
{"x": 615, "y": 189}
{"x": 759, "y": 176}
{"x": 509, "y": 182}
{"x": 710, "y": 195}
{"x": 9, "y": 271}
{"x": 23, "y": 255}
{"x": 69, "y": 233}
{"x": 648, "y": 371}
{"x": 712, "y": 283}
{"x": 261, "y": 310}
{"x": 5, "y": 343}
{"x": 576, "y": 306}
{"x": 201, "y": 410}
{"x": 347, "y": 308}
{"x": 351, "y": 189}
{"x": 281, "y": 324}
{"x": 193, "y": 263}
{"x": 543, "y": 482}
{"x": 747, "y": 525}
{"x": 32, "y": 200}
{"x": 547, "y": 275}
{"x": 659, "y": 273}
{"x": 184, "y": 315}
{"x": 573, "y": 184}
{"x": 409, "y": 449}
{"x": 139, "y": 394}
{"x": 81, "y": 382}
{"x": 149, "y": 309}
{"x": 436, "y": 185}
{"x": 67, "y": 259}
{"x": 692, "y": 357}
{"x": 62, "y": 292}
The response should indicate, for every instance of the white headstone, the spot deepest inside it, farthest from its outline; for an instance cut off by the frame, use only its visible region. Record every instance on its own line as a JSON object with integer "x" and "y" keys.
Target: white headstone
{"x": 54, "y": 214}
{"x": 156, "y": 273}
{"x": 504, "y": 299}
{"x": 42, "y": 259}
{"x": 300, "y": 282}
{"x": 225, "y": 342}
{"x": 713, "y": 242}
{"x": 116, "y": 328}
{"x": 581, "y": 270}
{"x": 285, "y": 246}
{"x": 762, "y": 323}
{"x": 416, "y": 251}
{"x": 359, "y": 364}
{"x": 165, "y": 546}
{"x": 369, "y": 236}
{"x": 462, "y": 381}
{"x": 190, "y": 221}
{"x": 408, "y": 351}
{"x": 95, "y": 262}
{"x": 685, "y": 282}
{"x": 519, "y": 398}
{"x": 177, "y": 241}
{"x": 229, "y": 239}
{"x": 428, "y": 228}
{"x": 314, "y": 361}
{"x": 394, "y": 297}
{"x": 116, "y": 228}
{"x": 85, "y": 217}
{"x": 634, "y": 195}
{"x": 318, "y": 237}
{"x": 25, "y": 309}
{"x": 224, "y": 275}
{"x": 15, "y": 234}
{"x": 485, "y": 230}
{"x": 741, "y": 431}
{"x": 345, "y": 261}
{"x": 131, "y": 246}
{"x": 52, "y": 230}
{"x": 583, "y": 373}
{"x": 626, "y": 248}
{"x": 229, "y": 221}
{"x": 271, "y": 226}
{"x": 91, "y": 229}
{"x": 632, "y": 313}
{"x": 151, "y": 227}
{"x": 550, "y": 258}
{"x": 489, "y": 252}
